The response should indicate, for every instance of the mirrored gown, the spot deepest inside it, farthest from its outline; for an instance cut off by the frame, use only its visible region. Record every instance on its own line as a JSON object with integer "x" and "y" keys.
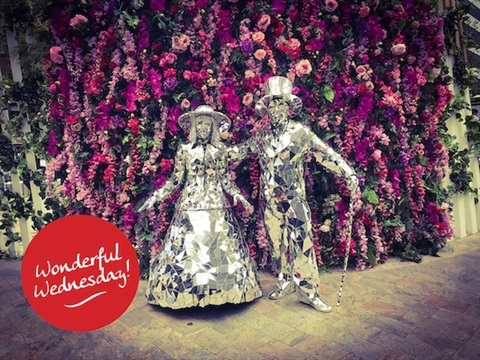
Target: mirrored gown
{"x": 204, "y": 259}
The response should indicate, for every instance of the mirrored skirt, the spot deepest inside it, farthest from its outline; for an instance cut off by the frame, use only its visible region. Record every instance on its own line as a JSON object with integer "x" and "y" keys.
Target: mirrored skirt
{"x": 203, "y": 261}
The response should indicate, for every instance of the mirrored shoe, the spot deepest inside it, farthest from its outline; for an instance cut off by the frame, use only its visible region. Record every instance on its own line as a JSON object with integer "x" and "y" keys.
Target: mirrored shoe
{"x": 279, "y": 293}
{"x": 315, "y": 302}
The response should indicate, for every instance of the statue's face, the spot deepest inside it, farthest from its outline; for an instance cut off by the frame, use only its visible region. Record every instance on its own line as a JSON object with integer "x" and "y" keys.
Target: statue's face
{"x": 278, "y": 112}
{"x": 204, "y": 129}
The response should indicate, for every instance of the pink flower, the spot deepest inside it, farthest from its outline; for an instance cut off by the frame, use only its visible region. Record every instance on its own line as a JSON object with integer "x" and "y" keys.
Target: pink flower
{"x": 436, "y": 72}
{"x": 364, "y": 11}
{"x": 54, "y": 54}
{"x": 398, "y": 49}
{"x": 185, "y": 104}
{"x": 260, "y": 54}
{"x": 133, "y": 125}
{"x": 180, "y": 43}
{"x": 170, "y": 58}
{"x": 331, "y": 5}
{"x": 258, "y": 36}
{"x": 72, "y": 120}
{"x": 303, "y": 67}
{"x": 264, "y": 22}
{"x": 377, "y": 154}
{"x": 249, "y": 74}
{"x": 78, "y": 20}
{"x": 247, "y": 99}
{"x": 361, "y": 69}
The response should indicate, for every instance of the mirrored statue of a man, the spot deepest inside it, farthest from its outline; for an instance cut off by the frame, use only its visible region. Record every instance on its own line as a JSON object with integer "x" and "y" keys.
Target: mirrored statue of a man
{"x": 287, "y": 215}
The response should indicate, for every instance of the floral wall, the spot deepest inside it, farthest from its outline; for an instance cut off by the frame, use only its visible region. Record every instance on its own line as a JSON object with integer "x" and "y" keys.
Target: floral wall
{"x": 370, "y": 75}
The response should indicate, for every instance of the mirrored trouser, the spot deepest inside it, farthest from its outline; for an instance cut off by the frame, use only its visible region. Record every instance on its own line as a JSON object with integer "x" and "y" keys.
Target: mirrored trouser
{"x": 288, "y": 224}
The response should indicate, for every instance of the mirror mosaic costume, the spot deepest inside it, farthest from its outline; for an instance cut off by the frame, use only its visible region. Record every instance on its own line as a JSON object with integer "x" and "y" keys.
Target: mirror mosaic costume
{"x": 203, "y": 260}
{"x": 287, "y": 214}
{"x": 177, "y": 283}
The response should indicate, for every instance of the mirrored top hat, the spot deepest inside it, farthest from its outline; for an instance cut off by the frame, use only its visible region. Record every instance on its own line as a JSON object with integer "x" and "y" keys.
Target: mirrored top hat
{"x": 278, "y": 87}
{"x": 222, "y": 121}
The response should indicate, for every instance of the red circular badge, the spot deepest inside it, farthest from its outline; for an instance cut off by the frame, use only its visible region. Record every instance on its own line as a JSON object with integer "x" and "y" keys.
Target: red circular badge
{"x": 80, "y": 273}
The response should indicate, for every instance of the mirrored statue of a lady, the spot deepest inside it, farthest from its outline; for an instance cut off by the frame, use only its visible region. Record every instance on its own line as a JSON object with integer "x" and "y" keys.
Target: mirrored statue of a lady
{"x": 203, "y": 260}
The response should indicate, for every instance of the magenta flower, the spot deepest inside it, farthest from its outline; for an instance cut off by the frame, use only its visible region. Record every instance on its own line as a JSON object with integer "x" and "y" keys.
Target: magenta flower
{"x": 157, "y": 5}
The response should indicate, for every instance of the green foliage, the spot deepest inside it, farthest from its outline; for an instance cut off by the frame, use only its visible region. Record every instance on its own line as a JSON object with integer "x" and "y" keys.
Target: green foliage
{"x": 23, "y": 104}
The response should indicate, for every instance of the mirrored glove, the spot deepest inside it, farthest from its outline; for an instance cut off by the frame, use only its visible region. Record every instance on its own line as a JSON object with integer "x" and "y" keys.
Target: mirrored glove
{"x": 248, "y": 207}
{"x": 352, "y": 183}
{"x": 148, "y": 203}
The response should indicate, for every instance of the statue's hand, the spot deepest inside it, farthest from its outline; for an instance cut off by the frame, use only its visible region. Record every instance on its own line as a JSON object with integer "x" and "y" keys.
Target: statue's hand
{"x": 248, "y": 207}
{"x": 148, "y": 203}
{"x": 352, "y": 183}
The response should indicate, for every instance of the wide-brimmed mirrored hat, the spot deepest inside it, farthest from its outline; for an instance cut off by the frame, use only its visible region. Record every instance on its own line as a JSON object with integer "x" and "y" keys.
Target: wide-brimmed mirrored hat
{"x": 278, "y": 87}
{"x": 222, "y": 121}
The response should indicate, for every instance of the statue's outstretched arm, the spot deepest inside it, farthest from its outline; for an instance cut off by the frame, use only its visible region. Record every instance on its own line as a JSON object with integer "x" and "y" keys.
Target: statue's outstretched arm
{"x": 333, "y": 161}
{"x": 176, "y": 178}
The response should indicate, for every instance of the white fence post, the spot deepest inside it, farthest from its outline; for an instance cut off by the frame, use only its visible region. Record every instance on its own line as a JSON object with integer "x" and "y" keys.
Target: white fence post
{"x": 24, "y": 225}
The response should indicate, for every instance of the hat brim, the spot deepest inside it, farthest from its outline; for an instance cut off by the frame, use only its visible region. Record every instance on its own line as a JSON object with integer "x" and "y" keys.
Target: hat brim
{"x": 222, "y": 121}
{"x": 294, "y": 102}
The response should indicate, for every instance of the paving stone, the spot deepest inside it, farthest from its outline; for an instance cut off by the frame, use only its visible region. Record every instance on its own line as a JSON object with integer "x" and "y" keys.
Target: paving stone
{"x": 211, "y": 339}
{"x": 456, "y": 318}
{"x": 168, "y": 340}
{"x": 279, "y": 351}
{"x": 318, "y": 349}
{"x": 288, "y": 317}
{"x": 235, "y": 352}
{"x": 391, "y": 326}
{"x": 433, "y": 353}
{"x": 284, "y": 333}
{"x": 468, "y": 351}
{"x": 446, "y": 303}
{"x": 460, "y": 332}
{"x": 15, "y": 347}
{"x": 393, "y": 355}
{"x": 55, "y": 348}
{"x": 36, "y": 330}
{"x": 326, "y": 333}
{"x": 255, "y": 320}
{"x": 424, "y": 322}
{"x": 360, "y": 347}
{"x": 438, "y": 341}
{"x": 247, "y": 337}
{"x": 409, "y": 345}
{"x": 362, "y": 329}
{"x": 389, "y": 310}
{"x": 198, "y": 353}
{"x": 151, "y": 354}
{"x": 415, "y": 305}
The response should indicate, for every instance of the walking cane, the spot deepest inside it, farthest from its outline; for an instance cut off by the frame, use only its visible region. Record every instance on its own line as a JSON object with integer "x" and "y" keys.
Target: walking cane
{"x": 347, "y": 250}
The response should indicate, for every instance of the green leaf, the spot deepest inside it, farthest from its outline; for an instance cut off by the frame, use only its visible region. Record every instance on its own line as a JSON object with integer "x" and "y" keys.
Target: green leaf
{"x": 370, "y": 196}
{"x": 328, "y": 93}
{"x": 329, "y": 135}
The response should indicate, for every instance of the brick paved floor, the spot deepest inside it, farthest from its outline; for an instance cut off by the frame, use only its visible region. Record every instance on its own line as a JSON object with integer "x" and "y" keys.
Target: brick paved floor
{"x": 398, "y": 310}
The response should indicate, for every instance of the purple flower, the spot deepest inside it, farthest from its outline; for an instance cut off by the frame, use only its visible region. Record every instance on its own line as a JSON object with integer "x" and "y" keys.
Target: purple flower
{"x": 361, "y": 150}
{"x": 157, "y": 5}
{"x": 350, "y": 91}
{"x": 170, "y": 83}
{"x": 278, "y": 6}
{"x": 247, "y": 47}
